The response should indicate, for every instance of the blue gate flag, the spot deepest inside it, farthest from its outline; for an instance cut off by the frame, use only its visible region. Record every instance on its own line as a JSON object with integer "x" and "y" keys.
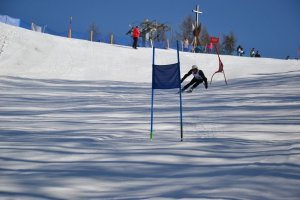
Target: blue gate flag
{"x": 166, "y": 76}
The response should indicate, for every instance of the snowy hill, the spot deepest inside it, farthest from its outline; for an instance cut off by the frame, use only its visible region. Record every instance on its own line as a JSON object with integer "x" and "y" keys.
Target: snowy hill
{"x": 75, "y": 124}
{"x": 35, "y": 55}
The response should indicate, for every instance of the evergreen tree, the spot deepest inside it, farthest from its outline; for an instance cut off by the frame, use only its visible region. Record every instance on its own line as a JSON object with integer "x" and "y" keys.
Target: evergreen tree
{"x": 229, "y": 43}
{"x": 205, "y": 39}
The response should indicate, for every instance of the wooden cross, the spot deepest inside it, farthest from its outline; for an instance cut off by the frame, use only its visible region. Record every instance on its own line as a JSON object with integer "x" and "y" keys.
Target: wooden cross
{"x": 197, "y": 28}
{"x": 198, "y": 12}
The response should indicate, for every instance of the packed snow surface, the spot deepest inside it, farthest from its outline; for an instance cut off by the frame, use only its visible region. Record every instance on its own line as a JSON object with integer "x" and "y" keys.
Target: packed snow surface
{"x": 75, "y": 124}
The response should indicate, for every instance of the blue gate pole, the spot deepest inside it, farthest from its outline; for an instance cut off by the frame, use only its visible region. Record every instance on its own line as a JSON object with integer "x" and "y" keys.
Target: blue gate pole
{"x": 181, "y": 126}
{"x": 152, "y": 96}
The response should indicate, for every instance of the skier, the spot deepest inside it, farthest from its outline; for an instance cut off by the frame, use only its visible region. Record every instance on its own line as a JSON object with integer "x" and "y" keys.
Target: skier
{"x": 135, "y": 35}
{"x": 199, "y": 77}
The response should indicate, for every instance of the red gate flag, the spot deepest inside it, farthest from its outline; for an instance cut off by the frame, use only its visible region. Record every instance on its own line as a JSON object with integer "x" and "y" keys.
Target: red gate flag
{"x": 214, "y": 40}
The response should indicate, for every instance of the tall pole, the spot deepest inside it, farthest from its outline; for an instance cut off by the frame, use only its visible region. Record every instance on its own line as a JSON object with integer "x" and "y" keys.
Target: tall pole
{"x": 70, "y": 28}
{"x": 152, "y": 96}
{"x": 92, "y": 35}
{"x": 180, "y": 95}
{"x": 197, "y": 12}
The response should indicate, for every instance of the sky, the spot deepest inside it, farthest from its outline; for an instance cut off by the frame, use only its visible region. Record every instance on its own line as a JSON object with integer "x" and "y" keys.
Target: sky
{"x": 270, "y": 26}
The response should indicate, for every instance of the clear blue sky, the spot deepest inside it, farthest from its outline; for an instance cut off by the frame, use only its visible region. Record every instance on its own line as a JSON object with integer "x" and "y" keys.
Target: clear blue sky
{"x": 271, "y": 26}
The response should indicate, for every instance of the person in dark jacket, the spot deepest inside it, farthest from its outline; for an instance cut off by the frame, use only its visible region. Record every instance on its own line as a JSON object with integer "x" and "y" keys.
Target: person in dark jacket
{"x": 257, "y": 54}
{"x": 199, "y": 77}
{"x": 135, "y": 34}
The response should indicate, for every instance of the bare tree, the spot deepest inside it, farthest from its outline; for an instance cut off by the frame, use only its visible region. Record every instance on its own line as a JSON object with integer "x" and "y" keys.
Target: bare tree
{"x": 161, "y": 30}
{"x": 156, "y": 30}
{"x": 94, "y": 30}
{"x": 153, "y": 30}
{"x": 186, "y": 28}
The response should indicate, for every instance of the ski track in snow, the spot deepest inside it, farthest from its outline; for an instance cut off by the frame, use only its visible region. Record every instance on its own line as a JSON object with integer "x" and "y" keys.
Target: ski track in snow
{"x": 62, "y": 139}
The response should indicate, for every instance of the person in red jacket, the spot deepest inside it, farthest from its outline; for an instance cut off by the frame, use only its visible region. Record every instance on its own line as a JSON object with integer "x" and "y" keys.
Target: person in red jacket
{"x": 135, "y": 34}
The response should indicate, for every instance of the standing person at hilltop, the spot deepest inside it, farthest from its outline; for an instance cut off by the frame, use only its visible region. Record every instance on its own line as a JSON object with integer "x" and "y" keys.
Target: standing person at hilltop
{"x": 257, "y": 55}
{"x": 252, "y": 52}
{"x": 185, "y": 45}
{"x": 135, "y": 35}
{"x": 238, "y": 50}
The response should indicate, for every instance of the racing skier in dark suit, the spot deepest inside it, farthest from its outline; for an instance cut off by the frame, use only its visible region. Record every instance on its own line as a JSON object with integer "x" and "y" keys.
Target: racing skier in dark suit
{"x": 199, "y": 77}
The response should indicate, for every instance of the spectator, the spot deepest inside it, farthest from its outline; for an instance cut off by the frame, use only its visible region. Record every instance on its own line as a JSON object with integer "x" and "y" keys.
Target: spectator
{"x": 210, "y": 47}
{"x": 186, "y": 45}
{"x": 135, "y": 35}
{"x": 198, "y": 49}
{"x": 252, "y": 52}
{"x": 241, "y": 51}
{"x": 238, "y": 50}
{"x": 257, "y": 54}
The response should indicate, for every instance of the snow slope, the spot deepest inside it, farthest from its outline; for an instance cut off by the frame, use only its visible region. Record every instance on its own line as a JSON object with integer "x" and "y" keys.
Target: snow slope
{"x": 74, "y": 124}
{"x": 36, "y": 55}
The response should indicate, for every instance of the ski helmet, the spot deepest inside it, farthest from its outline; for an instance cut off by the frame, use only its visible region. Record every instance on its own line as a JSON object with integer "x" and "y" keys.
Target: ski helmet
{"x": 194, "y": 67}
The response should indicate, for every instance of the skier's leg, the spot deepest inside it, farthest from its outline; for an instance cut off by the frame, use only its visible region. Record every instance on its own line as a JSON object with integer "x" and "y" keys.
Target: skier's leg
{"x": 189, "y": 84}
{"x": 196, "y": 84}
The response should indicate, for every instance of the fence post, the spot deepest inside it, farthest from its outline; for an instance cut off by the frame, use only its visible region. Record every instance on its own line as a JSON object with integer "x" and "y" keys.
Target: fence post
{"x": 168, "y": 44}
{"x": 92, "y": 35}
{"x": 111, "y": 39}
{"x": 70, "y": 28}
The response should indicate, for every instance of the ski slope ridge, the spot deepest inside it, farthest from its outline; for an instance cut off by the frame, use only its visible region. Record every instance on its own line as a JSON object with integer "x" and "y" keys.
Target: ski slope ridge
{"x": 29, "y": 54}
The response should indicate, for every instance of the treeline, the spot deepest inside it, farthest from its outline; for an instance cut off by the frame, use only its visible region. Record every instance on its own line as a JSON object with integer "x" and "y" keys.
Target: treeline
{"x": 226, "y": 46}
